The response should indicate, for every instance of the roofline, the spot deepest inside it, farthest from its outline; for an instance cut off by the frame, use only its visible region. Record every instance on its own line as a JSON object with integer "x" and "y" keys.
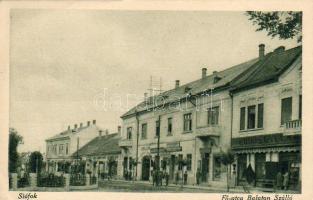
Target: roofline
{"x": 183, "y": 99}
{"x": 274, "y": 79}
{"x": 59, "y": 138}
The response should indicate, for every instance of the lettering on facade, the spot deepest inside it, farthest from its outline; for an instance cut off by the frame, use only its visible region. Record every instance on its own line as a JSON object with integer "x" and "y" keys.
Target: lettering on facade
{"x": 265, "y": 141}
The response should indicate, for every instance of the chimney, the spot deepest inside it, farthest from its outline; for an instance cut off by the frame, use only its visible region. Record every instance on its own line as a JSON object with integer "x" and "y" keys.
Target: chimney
{"x": 261, "y": 51}
{"x": 88, "y": 123}
{"x": 106, "y": 132}
{"x": 176, "y": 84}
{"x": 204, "y": 72}
{"x": 216, "y": 78}
{"x": 80, "y": 125}
{"x": 75, "y": 126}
{"x": 100, "y": 133}
{"x": 69, "y": 128}
{"x": 145, "y": 96}
{"x": 94, "y": 122}
{"x": 119, "y": 129}
{"x": 279, "y": 49}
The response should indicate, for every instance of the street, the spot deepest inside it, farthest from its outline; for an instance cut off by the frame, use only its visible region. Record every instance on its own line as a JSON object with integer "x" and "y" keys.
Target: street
{"x": 128, "y": 186}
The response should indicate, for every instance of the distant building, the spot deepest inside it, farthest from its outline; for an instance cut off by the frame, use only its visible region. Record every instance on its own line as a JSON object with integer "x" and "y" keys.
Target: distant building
{"x": 60, "y": 147}
{"x": 267, "y": 113}
{"x": 102, "y": 155}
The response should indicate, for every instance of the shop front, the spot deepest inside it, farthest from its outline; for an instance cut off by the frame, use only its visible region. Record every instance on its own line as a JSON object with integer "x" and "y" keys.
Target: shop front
{"x": 269, "y": 161}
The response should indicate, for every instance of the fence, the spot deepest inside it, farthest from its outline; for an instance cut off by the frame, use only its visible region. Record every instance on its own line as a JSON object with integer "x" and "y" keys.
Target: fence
{"x": 50, "y": 180}
{"x": 23, "y": 181}
{"x": 77, "y": 180}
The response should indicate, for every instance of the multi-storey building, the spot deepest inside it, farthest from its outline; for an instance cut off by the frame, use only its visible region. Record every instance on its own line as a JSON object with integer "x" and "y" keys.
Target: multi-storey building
{"x": 267, "y": 109}
{"x": 191, "y": 122}
{"x": 60, "y": 147}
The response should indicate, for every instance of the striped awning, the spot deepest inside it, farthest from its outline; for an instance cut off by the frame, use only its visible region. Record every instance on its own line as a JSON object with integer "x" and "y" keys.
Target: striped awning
{"x": 270, "y": 149}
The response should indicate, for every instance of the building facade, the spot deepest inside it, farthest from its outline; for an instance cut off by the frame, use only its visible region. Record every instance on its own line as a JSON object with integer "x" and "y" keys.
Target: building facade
{"x": 190, "y": 123}
{"x": 102, "y": 156}
{"x": 267, "y": 106}
{"x": 60, "y": 147}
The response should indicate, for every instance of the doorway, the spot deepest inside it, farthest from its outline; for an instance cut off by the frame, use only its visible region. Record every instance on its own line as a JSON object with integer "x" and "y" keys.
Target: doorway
{"x": 205, "y": 167}
{"x": 145, "y": 175}
{"x": 172, "y": 167}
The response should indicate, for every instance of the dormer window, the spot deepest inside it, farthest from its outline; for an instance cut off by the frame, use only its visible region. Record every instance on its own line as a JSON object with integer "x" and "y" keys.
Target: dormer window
{"x": 187, "y": 89}
{"x": 216, "y": 79}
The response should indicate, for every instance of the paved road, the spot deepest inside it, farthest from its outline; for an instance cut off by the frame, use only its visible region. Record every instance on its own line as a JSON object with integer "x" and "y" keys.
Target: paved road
{"x": 122, "y": 186}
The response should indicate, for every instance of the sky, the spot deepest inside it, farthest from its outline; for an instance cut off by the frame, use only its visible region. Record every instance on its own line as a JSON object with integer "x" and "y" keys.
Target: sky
{"x": 73, "y": 66}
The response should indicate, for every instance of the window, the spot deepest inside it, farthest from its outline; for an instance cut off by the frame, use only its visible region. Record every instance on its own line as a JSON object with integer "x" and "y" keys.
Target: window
{"x": 66, "y": 149}
{"x": 129, "y": 133}
{"x": 187, "y": 122}
{"x": 61, "y": 146}
{"x": 189, "y": 161}
{"x": 144, "y": 131}
{"x": 180, "y": 160}
{"x": 260, "y": 115}
{"x": 300, "y": 106}
{"x": 251, "y": 117}
{"x": 213, "y": 114}
{"x": 169, "y": 126}
{"x": 217, "y": 168}
{"x": 55, "y": 149}
{"x": 242, "y": 118}
{"x": 157, "y": 128}
{"x": 286, "y": 110}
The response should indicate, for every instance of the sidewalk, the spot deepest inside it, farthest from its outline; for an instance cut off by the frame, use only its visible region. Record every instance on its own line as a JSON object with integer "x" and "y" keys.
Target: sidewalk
{"x": 237, "y": 189}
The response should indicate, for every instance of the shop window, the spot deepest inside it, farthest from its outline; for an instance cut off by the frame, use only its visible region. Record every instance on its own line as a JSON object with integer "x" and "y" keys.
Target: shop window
{"x": 213, "y": 114}
{"x": 189, "y": 162}
{"x": 251, "y": 117}
{"x": 129, "y": 133}
{"x": 157, "y": 128}
{"x": 217, "y": 168}
{"x": 242, "y": 118}
{"x": 260, "y": 115}
{"x": 260, "y": 165}
{"x": 169, "y": 126}
{"x": 286, "y": 110}
{"x": 187, "y": 122}
{"x": 180, "y": 164}
{"x": 144, "y": 131}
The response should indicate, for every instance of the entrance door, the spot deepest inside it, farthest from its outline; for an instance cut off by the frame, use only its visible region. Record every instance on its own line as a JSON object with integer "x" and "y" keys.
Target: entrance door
{"x": 205, "y": 167}
{"x": 145, "y": 168}
{"x": 172, "y": 167}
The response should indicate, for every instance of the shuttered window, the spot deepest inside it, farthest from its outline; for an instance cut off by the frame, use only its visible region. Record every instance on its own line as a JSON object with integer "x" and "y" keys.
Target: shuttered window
{"x": 286, "y": 110}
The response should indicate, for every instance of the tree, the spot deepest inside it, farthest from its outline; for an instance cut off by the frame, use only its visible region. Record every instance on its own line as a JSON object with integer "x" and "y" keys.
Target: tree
{"x": 14, "y": 140}
{"x": 227, "y": 158}
{"x": 284, "y": 24}
{"x": 35, "y": 162}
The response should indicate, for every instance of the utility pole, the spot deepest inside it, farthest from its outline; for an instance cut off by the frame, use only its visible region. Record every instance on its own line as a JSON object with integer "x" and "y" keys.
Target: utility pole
{"x": 137, "y": 142}
{"x": 158, "y": 147}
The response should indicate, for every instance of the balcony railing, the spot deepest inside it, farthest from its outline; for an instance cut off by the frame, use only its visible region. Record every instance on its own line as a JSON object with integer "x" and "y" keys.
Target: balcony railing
{"x": 208, "y": 131}
{"x": 125, "y": 143}
{"x": 293, "y": 126}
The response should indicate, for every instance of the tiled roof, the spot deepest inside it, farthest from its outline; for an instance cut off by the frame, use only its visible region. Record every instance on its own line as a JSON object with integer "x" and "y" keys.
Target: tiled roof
{"x": 196, "y": 87}
{"x": 101, "y": 145}
{"x": 267, "y": 69}
{"x": 68, "y": 133}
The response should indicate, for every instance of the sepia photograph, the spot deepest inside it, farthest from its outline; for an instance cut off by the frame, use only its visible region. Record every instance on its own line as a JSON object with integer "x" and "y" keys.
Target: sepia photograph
{"x": 155, "y": 101}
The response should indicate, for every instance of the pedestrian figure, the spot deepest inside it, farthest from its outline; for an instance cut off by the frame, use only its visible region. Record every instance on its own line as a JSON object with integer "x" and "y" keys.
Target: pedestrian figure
{"x": 198, "y": 175}
{"x": 286, "y": 180}
{"x": 185, "y": 178}
{"x": 161, "y": 177}
{"x": 279, "y": 180}
{"x": 176, "y": 177}
{"x": 166, "y": 175}
{"x": 153, "y": 178}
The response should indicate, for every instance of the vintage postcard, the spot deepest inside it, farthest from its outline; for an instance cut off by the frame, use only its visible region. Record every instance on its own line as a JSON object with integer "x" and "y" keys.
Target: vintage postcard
{"x": 127, "y": 100}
